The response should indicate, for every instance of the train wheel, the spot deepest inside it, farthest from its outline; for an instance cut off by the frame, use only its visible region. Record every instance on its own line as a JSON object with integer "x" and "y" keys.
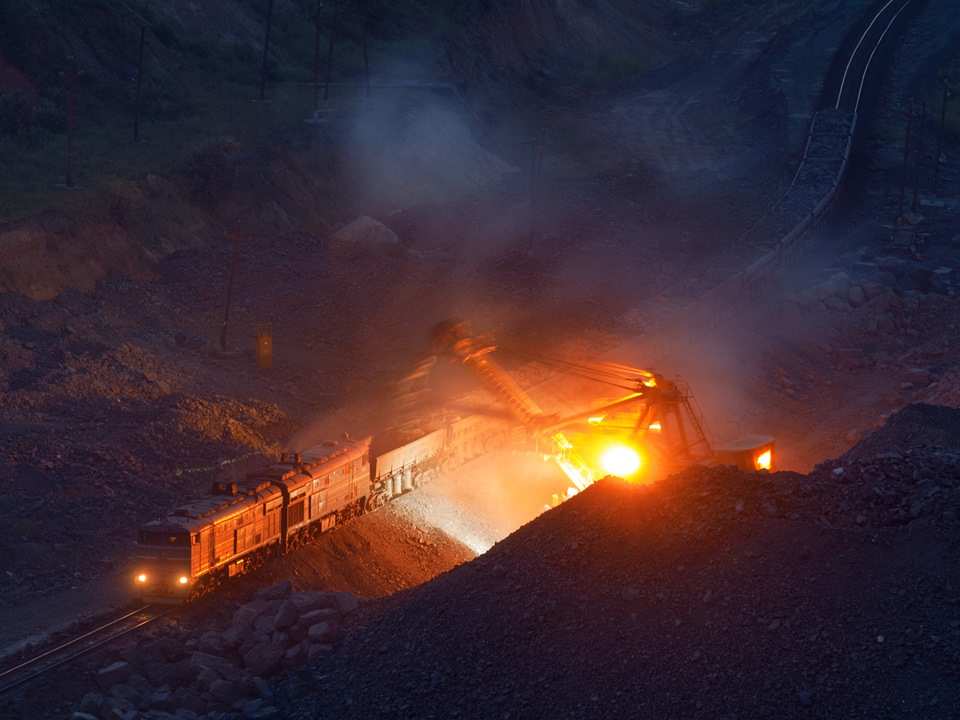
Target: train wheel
{"x": 375, "y": 502}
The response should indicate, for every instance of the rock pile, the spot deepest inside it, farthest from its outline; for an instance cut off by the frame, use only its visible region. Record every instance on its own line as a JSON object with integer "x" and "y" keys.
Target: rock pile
{"x": 223, "y": 673}
{"x": 714, "y": 593}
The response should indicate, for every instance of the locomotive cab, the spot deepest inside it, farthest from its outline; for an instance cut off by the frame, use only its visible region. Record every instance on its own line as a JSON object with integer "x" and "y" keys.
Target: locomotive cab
{"x": 162, "y": 573}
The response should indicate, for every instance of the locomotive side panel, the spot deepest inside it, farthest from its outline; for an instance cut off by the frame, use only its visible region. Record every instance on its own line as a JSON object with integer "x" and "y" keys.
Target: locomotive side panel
{"x": 332, "y": 482}
{"x": 343, "y": 487}
{"x": 202, "y": 552}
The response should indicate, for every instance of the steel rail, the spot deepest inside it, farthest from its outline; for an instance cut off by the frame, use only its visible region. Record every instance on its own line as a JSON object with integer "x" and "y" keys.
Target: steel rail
{"x": 34, "y": 661}
{"x": 866, "y": 68}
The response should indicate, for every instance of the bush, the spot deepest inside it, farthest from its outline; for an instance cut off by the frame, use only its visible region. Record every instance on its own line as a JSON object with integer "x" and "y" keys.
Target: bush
{"x": 208, "y": 175}
{"x": 15, "y": 111}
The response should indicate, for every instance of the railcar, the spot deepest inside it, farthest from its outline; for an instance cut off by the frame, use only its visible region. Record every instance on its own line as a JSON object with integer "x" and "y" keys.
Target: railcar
{"x": 239, "y": 525}
{"x": 402, "y": 467}
{"x": 323, "y": 486}
{"x": 282, "y": 506}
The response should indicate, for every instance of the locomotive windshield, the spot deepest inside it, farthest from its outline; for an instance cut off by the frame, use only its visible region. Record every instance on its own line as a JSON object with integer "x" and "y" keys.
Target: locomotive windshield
{"x": 164, "y": 539}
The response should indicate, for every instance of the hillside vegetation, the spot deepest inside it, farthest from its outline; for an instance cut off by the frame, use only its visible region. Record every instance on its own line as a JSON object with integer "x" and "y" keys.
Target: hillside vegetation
{"x": 209, "y": 153}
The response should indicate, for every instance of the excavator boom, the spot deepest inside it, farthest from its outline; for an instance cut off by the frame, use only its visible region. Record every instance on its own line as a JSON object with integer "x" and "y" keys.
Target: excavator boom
{"x": 455, "y": 339}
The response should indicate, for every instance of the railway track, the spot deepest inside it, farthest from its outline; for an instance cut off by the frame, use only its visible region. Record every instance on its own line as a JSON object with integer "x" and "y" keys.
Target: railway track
{"x": 850, "y": 91}
{"x": 24, "y": 671}
{"x": 758, "y": 259}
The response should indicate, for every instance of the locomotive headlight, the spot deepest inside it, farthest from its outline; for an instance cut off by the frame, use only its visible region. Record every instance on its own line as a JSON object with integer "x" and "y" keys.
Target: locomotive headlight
{"x": 142, "y": 577}
{"x": 184, "y": 579}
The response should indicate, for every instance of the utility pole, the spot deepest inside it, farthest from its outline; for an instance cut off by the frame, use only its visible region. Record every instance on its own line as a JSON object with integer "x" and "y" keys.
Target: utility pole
{"x": 366, "y": 59}
{"x": 536, "y": 168}
{"x": 916, "y": 173}
{"x": 903, "y": 168}
{"x": 936, "y": 158}
{"x": 333, "y": 32}
{"x": 136, "y": 104}
{"x": 71, "y": 76}
{"x": 266, "y": 47}
{"x": 316, "y": 61}
{"x": 237, "y": 238}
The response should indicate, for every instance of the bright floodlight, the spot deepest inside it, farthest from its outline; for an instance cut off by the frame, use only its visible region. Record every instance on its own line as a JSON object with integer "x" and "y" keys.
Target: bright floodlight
{"x": 620, "y": 460}
{"x": 764, "y": 460}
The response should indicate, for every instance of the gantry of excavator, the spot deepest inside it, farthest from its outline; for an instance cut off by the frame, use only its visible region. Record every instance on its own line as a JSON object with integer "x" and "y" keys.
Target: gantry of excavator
{"x": 656, "y": 418}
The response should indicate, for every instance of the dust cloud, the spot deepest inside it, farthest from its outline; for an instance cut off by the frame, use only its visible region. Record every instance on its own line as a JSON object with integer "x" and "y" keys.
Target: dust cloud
{"x": 484, "y": 501}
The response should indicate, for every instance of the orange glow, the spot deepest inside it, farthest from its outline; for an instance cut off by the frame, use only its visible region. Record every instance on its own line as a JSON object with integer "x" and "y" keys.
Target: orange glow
{"x": 763, "y": 460}
{"x": 620, "y": 460}
{"x": 655, "y": 426}
{"x": 184, "y": 580}
{"x": 141, "y": 577}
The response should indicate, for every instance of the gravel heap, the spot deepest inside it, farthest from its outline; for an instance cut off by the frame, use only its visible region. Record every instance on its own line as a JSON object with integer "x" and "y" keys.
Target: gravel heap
{"x": 714, "y": 593}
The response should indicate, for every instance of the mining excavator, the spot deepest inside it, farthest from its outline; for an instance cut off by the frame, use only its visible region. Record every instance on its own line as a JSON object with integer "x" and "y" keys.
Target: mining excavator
{"x": 655, "y": 428}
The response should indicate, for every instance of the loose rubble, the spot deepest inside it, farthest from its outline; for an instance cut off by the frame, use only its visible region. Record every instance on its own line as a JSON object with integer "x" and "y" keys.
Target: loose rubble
{"x": 223, "y": 673}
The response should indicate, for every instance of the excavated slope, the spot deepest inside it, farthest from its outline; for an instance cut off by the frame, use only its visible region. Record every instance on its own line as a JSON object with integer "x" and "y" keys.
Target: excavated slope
{"x": 714, "y": 593}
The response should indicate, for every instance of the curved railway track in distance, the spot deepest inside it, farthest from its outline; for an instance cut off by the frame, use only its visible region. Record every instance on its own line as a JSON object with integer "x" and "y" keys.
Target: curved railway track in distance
{"x": 757, "y": 261}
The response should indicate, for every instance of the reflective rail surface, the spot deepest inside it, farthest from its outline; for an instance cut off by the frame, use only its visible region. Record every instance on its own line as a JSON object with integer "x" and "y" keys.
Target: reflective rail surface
{"x": 46, "y": 660}
{"x": 858, "y": 64}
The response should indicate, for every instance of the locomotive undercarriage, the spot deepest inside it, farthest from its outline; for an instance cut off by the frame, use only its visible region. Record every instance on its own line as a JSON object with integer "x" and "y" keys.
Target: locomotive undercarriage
{"x": 251, "y": 561}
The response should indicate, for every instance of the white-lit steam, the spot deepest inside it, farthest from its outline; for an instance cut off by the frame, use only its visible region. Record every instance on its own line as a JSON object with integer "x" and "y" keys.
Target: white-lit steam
{"x": 482, "y": 502}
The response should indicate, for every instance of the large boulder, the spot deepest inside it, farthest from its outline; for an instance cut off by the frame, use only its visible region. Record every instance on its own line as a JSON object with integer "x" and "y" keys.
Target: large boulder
{"x": 362, "y": 237}
{"x": 118, "y": 672}
{"x": 264, "y": 658}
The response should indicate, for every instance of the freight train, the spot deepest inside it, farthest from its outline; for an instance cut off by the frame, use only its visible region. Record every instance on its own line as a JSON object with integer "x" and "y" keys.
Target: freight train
{"x": 240, "y": 524}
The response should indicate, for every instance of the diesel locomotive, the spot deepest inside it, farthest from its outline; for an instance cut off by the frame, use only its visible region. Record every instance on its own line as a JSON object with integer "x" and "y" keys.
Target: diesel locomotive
{"x": 240, "y": 524}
